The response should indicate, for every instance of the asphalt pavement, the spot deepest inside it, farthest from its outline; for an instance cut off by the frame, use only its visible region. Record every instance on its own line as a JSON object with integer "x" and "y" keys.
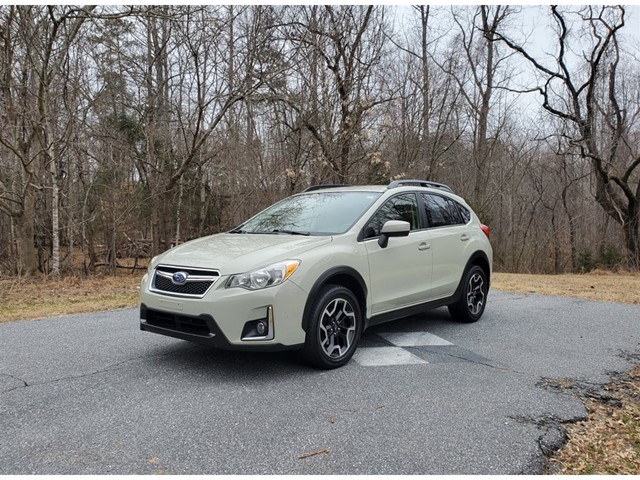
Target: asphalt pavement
{"x": 92, "y": 394}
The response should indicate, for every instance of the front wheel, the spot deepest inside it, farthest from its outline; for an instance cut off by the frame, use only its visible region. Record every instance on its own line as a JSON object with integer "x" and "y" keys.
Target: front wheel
{"x": 333, "y": 328}
{"x": 473, "y": 300}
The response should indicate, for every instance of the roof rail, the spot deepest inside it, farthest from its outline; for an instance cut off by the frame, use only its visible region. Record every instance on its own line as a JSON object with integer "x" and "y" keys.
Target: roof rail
{"x": 422, "y": 183}
{"x": 319, "y": 187}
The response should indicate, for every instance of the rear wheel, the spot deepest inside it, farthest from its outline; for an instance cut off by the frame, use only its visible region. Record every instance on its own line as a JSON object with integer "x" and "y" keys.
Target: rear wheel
{"x": 474, "y": 297}
{"x": 333, "y": 328}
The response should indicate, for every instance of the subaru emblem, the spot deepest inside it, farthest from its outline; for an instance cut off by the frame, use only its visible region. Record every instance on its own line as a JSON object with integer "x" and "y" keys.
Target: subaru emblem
{"x": 179, "y": 278}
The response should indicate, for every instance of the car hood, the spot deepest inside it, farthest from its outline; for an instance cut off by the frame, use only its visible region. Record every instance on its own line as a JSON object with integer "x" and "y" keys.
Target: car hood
{"x": 239, "y": 252}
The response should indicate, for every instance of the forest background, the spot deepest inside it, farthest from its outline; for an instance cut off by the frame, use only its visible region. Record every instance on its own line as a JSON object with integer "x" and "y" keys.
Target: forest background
{"x": 126, "y": 130}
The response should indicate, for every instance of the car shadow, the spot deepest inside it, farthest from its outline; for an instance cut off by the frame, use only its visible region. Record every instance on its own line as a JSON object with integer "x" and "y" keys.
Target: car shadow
{"x": 195, "y": 361}
{"x": 415, "y": 323}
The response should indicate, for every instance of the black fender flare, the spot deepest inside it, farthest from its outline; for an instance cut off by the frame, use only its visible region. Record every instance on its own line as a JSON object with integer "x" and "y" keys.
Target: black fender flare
{"x": 480, "y": 258}
{"x": 325, "y": 278}
{"x": 477, "y": 258}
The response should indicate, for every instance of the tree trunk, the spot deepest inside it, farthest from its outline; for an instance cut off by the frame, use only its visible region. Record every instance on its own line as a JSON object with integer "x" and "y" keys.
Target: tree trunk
{"x": 27, "y": 258}
{"x": 424, "y": 19}
{"x": 55, "y": 198}
{"x": 572, "y": 231}
{"x": 179, "y": 210}
{"x": 631, "y": 230}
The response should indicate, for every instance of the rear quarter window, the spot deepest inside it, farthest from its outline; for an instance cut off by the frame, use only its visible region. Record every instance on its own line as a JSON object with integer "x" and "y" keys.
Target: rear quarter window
{"x": 442, "y": 211}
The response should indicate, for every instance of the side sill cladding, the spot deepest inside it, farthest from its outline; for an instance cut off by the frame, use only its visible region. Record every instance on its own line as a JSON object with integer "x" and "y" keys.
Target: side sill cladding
{"x": 341, "y": 275}
{"x": 478, "y": 258}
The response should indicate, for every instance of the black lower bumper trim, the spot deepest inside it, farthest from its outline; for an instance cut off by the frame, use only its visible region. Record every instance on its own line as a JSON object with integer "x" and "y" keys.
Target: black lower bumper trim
{"x": 181, "y": 326}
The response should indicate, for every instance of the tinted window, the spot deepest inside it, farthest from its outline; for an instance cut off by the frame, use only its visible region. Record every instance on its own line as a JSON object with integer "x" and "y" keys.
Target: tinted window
{"x": 401, "y": 207}
{"x": 441, "y": 211}
{"x": 466, "y": 215}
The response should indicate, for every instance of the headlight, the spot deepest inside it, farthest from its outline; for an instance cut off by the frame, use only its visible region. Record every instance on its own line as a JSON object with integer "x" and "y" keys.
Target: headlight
{"x": 264, "y": 277}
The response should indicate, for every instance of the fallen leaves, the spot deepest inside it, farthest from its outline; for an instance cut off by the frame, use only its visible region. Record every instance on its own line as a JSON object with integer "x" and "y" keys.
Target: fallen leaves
{"x": 608, "y": 442}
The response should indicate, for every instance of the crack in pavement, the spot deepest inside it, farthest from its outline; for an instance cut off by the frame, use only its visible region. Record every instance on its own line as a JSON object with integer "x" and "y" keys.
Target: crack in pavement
{"x": 25, "y": 384}
{"x": 554, "y": 434}
{"x": 110, "y": 368}
{"x": 552, "y": 438}
{"x": 478, "y": 362}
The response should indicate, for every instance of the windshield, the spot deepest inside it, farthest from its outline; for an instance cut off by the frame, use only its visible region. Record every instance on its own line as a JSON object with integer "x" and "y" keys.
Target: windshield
{"x": 322, "y": 213}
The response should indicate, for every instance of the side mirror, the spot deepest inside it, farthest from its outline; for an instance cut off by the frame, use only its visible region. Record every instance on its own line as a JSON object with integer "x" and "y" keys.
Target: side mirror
{"x": 393, "y": 228}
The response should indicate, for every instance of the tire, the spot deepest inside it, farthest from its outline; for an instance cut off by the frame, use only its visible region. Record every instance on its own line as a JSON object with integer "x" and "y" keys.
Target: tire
{"x": 470, "y": 307}
{"x": 333, "y": 328}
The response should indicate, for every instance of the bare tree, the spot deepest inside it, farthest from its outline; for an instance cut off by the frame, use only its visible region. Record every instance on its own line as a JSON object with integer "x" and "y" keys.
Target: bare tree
{"x": 349, "y": 43}
{"x": 123, "y": 130}
{"x": 428, "y": 110}
{"x": 18, "y": 175}
{"x": 481, "y": 72}
{"x": 587, "y": 93}
{"x": 44, "y": 35}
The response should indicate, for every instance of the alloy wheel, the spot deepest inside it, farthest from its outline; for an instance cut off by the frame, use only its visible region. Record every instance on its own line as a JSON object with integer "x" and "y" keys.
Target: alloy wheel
{"x": 337, "y": 328}
{"x": 475, "y": 294}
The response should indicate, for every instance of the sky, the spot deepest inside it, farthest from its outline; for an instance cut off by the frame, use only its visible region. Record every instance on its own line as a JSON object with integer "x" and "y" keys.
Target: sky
{"x": 534, "y": 23}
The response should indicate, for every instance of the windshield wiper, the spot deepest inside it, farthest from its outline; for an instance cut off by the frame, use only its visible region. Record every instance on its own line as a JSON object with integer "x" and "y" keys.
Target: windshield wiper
{"x": 291, "y": 232}
{"x": 237, "y": 230}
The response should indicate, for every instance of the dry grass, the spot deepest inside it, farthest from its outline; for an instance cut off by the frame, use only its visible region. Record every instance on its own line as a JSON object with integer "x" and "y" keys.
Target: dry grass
{"x": 42, "y": 298}
{"x": 608, "y": 442}
{"x": 599, "y": 285}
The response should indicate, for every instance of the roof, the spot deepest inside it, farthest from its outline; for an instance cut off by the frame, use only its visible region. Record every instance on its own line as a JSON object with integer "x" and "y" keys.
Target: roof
{"x": 381, "y": 188}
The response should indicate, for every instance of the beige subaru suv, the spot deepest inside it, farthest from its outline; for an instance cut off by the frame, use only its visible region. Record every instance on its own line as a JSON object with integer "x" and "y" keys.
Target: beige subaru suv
{"x": 316, "y": 269}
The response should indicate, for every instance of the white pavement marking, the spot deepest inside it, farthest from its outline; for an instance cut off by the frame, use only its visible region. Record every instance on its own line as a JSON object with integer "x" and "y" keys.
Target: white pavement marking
{"x": 380, "y": 356}
{"x": 414, "y": 339}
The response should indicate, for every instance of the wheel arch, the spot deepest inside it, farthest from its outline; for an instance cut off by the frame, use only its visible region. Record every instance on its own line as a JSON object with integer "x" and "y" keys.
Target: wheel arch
{"x": 480, "y": 259}
{"x": 345, "y": 276}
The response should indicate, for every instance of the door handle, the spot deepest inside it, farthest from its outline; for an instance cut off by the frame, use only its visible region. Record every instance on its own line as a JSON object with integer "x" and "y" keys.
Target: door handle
{"x": 424, "y": 246}
{"x": 464, "y": 237}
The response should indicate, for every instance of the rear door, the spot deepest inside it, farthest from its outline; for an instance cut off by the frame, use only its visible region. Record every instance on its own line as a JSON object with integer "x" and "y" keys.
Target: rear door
{"x": 448, "y": 237}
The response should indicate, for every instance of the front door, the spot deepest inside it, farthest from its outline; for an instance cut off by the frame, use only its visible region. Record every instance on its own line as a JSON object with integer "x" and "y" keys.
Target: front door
{"x": 400, "y": 274}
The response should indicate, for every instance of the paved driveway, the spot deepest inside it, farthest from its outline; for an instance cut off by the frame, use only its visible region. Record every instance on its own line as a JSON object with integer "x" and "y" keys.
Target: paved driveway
{"x": 91, "y": 394}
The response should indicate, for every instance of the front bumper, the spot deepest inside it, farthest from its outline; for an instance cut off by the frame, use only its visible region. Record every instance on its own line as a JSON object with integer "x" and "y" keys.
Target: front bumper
{"x": 219, "y": 318}
{"x": 213, "y": 337}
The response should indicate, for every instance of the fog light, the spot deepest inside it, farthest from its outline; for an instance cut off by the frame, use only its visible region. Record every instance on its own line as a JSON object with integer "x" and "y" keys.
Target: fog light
{"x": 261, "y": 327}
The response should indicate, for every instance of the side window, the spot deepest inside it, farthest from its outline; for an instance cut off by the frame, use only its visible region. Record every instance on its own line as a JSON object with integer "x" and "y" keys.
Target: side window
{"x": 466, "y": 215}
{"x": 401, "y": 207}
{"x": 454, "y": 212}
{"x": 441, "y": 211}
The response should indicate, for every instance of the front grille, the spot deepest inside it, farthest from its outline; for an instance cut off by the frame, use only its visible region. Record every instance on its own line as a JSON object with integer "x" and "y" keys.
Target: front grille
{"x": 189, "y": 288}
{"x": 178, "y": 323}
{"x": 197, "y": 281}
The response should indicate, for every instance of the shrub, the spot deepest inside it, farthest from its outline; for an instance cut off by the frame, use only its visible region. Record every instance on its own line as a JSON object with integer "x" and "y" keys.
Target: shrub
{"x": 610, "y": 257}
{"x": 585, "y": 261}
